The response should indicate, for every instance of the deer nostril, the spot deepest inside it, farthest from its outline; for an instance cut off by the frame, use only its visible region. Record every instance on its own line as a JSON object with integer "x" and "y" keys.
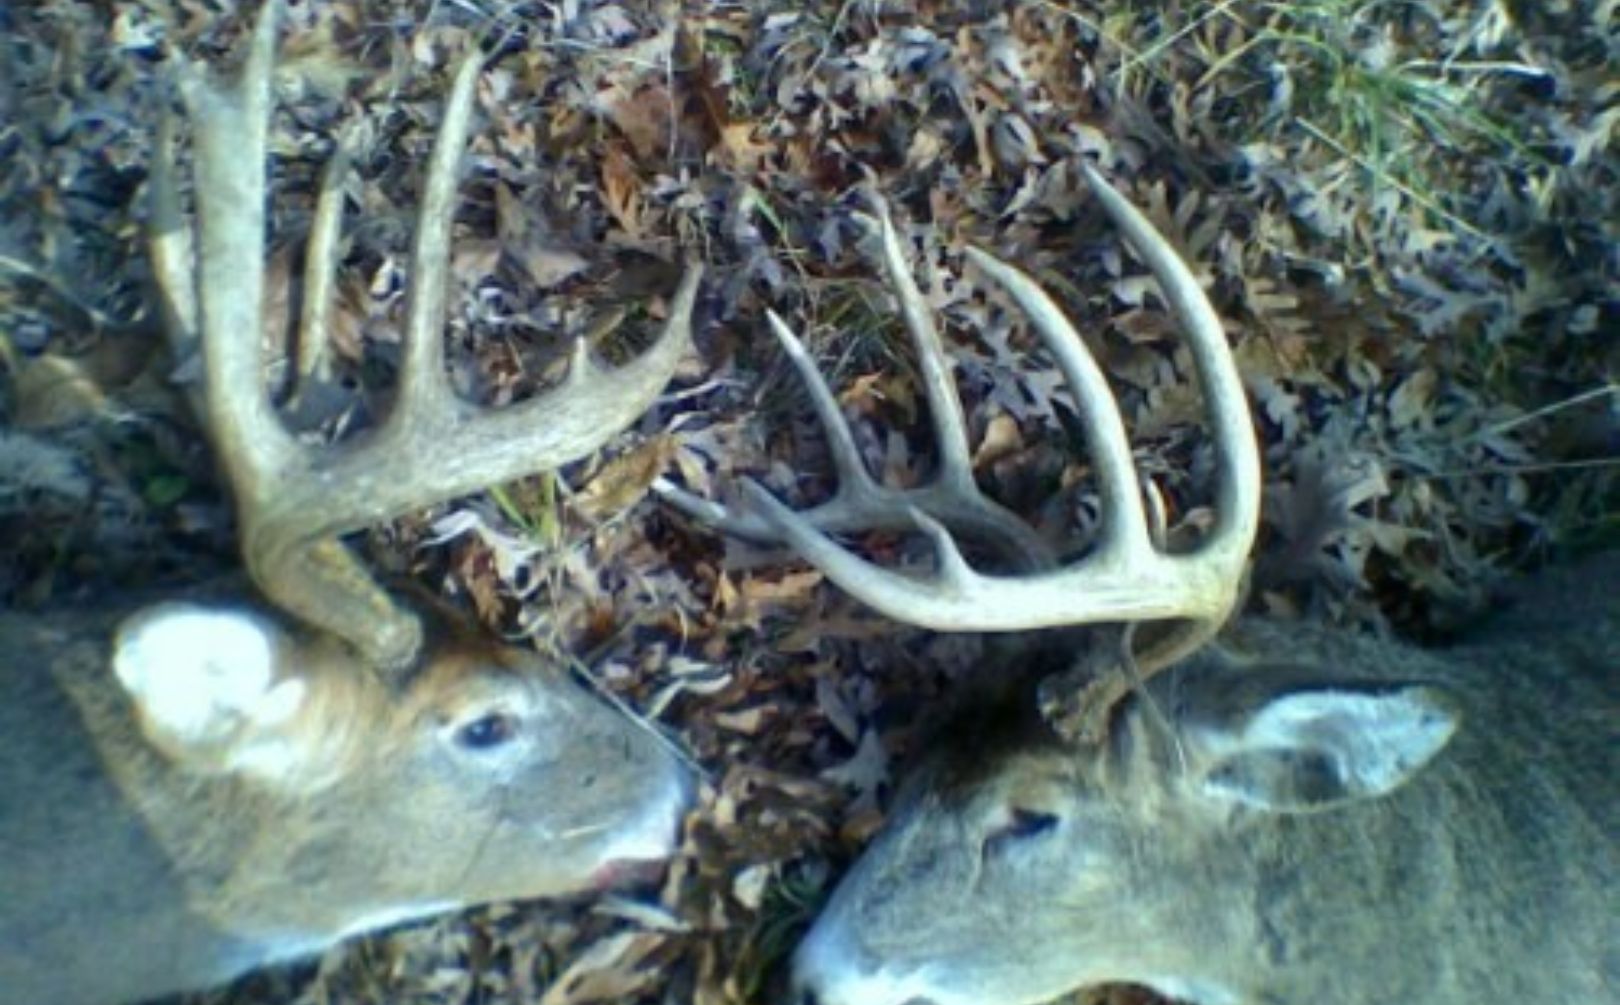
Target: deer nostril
{"x": 803, "y": 992}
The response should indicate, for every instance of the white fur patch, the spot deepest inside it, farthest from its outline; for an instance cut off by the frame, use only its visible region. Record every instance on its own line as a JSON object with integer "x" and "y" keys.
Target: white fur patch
{"x": 276, "y": 759}
{"x": 200, "y": 673}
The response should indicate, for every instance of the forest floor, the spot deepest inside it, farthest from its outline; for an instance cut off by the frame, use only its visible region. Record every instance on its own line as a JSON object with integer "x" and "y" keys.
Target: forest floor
{"x": 1406, "y": 214}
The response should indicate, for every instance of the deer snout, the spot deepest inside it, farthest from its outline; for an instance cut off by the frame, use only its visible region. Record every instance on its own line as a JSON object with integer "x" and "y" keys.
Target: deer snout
{"x": 832, "y": 968}
{"x": 643, "y": 845}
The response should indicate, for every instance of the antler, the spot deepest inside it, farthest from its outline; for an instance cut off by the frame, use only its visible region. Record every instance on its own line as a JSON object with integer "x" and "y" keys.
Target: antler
{"x": 1125, "y": 577}
{"x": 292, "y": 500}
{"x": 860, "y": 503}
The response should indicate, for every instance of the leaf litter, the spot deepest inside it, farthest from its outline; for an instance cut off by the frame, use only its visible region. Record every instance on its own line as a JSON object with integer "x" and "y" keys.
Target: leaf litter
{"x": 1405, "y": 215}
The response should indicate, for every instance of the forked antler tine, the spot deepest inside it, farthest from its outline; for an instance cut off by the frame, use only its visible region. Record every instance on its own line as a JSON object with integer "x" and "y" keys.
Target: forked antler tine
{"x": 444, "y": 446}
{"x": 1125, "y": 578}
{"x": 1124, "y": 525}
{"x": 860, "y": 502}
{"x": 1238, "y": 484}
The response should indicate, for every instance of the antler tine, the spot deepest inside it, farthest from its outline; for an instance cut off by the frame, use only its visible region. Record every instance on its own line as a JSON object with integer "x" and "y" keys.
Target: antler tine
{"x": 1124, "y": 525}
{"x": 952, "y": 497}
{"x": 313, "y": 352}
{"x": 169, "y": 244}
{"x": 1238, "y": 483}
{"x": 230, "y": 140}
{"x": 424, "y": 397}
{"x": 945, "y": 408}
{"x": 293, "y": 503}
{"x": 858, "y": 500}
{"x": 1125, "y": 577}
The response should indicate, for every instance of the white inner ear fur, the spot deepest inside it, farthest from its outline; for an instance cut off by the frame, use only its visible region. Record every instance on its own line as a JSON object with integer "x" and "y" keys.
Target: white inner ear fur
{"x": 204, "y": 676}
{"x": 1376, "y": 740}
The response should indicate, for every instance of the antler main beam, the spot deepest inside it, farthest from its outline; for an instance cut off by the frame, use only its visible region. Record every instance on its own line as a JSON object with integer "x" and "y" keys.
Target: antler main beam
{"x": 293, "y": 501}
{"x": 1125, "y": 577}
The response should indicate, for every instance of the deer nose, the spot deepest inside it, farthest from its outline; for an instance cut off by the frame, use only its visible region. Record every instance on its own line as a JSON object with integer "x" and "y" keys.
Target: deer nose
{"x": 808, "y": 994}
{"x": 657, "y": 834}
{"x": 832, "y": 967}
{"x": 807, "y": 987}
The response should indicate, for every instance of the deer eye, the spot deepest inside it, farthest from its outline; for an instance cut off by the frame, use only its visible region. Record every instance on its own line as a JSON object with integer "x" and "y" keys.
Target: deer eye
{"x": 486, "y": 732}
{"x": 1021, "y": 825}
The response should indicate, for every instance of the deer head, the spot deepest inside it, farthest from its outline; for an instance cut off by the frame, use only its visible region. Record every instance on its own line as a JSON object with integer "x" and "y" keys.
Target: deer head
{"x": 210, "y": 784}
{"x": 1299, "y": 815}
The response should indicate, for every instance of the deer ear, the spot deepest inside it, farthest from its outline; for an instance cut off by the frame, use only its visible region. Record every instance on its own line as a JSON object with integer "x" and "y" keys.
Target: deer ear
{"x": 203, "y": 680}
{"x": 1316, "y": 747}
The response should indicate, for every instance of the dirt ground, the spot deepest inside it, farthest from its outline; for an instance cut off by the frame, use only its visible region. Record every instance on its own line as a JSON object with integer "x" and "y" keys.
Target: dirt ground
{"x": 1405, "y": 213}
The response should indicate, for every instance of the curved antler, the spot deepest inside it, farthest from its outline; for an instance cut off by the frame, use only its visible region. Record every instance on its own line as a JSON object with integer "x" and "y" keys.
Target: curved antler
{"x": 293, "y": 501}
{"x": 1125, "y": 577}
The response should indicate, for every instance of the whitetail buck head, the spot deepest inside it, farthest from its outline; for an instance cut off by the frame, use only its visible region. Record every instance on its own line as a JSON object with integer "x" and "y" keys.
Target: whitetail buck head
{"x": 1318, "y": 820}
{"x": 204, "y": 786}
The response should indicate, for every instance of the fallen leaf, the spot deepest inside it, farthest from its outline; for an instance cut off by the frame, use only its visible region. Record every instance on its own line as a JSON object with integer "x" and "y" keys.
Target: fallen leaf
{"x": 1001, "y": 438}
{"x": 624, "y": 481}
{"x": 608, "y": 971}
{"x": 621, "y": 191}
{"x": 739, "y": 150}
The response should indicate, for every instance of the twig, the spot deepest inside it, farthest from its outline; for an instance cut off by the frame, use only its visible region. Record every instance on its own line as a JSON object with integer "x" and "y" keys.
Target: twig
{"x": 1546, "y": 410}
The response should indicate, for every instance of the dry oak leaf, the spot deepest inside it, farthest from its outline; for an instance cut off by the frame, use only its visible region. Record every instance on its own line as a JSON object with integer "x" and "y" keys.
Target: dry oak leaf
{"x": 621, "y": 191}
{"x": 739, "y": 150}
{"x": 1001, "y": 439}
{"x": 643, "y": 115}
{"x": 610, "y": 970}
{"x": 623, "y": 481}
